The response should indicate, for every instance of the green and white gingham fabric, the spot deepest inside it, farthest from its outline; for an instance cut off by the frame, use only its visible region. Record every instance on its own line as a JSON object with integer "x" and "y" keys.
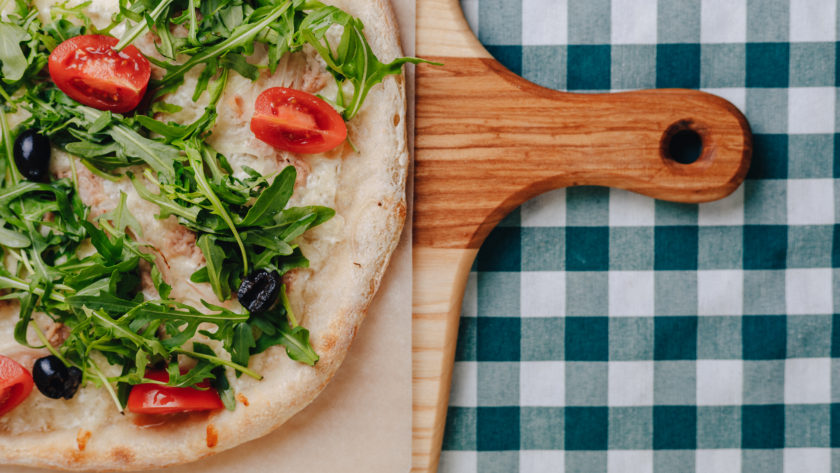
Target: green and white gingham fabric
{"x": 603, "y": 331}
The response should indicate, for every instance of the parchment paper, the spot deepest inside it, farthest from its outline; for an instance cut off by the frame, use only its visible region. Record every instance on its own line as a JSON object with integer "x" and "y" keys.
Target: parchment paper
{"x": 361, "y": 422}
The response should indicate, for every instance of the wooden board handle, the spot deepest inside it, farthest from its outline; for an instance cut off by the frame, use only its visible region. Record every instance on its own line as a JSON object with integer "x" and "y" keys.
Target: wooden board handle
{"x": 488, "y": 140}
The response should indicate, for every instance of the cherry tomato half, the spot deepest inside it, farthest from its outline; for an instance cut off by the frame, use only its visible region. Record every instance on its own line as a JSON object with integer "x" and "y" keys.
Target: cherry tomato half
{"x": 15, "y": 384}
{"x": 158, "y": 399}
{"x": 89, "y": 70}
{"x": 297, "y": 121}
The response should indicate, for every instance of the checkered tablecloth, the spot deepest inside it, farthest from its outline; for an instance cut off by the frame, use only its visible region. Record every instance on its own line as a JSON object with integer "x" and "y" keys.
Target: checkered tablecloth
{"x": 603, "y": 331}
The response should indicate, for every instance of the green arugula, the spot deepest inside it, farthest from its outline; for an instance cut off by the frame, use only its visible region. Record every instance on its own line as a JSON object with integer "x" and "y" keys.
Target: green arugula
{"x": 223, "y": 32}
{"x": 241, "y": 36}
{"x": 11, "y": 54}
{"x": 148, "y": 19}
{"x": 352, "y": 60}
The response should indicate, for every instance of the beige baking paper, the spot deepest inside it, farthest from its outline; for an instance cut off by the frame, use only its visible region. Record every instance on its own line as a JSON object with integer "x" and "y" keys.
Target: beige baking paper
{"x": 361, "y": 422}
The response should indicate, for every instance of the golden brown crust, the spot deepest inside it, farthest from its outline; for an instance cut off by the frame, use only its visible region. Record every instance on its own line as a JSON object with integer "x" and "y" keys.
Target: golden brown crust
{"x": 372, "y": 203}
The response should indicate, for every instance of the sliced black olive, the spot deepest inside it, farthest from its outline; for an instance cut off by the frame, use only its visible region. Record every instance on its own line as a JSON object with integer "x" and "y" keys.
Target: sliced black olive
{"x": 259, "y": 290}
{"x": 32, "y": 155}
{"x": 55, "y": 380}
{"x": 74, "y": 379}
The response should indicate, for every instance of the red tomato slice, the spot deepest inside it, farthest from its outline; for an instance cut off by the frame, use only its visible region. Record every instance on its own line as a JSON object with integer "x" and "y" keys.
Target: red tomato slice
{"x": 159, "y": 399}
{"x": 89, "y": 70}
{"x": 15, "y": 384}
{"x": 297, "y": 121}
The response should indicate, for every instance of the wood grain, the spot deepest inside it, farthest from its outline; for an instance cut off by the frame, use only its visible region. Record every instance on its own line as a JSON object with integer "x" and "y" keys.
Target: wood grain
{"x": 488, "y": 140}
{"x": 440, "y": 275}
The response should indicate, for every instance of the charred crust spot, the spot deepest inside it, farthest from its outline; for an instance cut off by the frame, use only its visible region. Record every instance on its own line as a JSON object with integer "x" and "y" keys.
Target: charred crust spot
{"x": 357, "y": 264}
{"x": 122, "y": 455}
{"x": 238, "y": 104}
{"x": 82, "y": 438}
{"x": 73, "y": 456}
{"x": 212, "y": 436}
{"x": 329, "y": 342}
{"x": 241, "y": 398}
{"x": 379, "y": 204}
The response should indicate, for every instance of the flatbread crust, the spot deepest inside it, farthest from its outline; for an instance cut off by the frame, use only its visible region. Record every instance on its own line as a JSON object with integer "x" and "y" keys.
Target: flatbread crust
{"x": 370, "y": 199}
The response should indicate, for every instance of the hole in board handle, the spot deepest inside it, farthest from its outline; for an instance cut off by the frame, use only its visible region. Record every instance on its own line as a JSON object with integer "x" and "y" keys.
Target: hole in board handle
{"x": 682, "y": 143}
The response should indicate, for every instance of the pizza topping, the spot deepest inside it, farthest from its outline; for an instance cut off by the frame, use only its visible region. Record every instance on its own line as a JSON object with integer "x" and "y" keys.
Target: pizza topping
{"x": 296, "y": 121}
{"x": 54, "y": 379}
{"x": 56, "y": 333}
{"x": 158, "y": 398}
{"x": 219, "y": 38}
{"x": 82, "y": 267}
{"x": 259, "y": 290}
{"x": 89, "y": 70}
{"x": 32, "y": 155}
{"x": 15, "y": 384}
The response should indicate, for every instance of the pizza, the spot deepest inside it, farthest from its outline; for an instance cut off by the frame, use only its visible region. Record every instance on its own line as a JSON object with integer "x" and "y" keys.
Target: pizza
{"x": 198, "y": 201}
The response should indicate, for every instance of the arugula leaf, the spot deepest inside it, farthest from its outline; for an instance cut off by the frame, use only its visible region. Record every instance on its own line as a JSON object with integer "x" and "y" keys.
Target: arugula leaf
{"x": 161, "y": 286}
{"x": 27, "y": 306}
{"x": 96, "y": 269}
{"x": 296, "y": 342}
{"x": 194, "y": 156}
{"x": 122, "y": 218}
{"x": 157, "y": 155}
{"x": 214, "y": 256}
{"x": 243, "y": 341}
{"x": 102, "y": 301}
{"x": 238, "y": 63}
{"x": 239, "y": 37}
{"x": 91, "y": 150}
{"x": 166, "y": 206}
{"x": 353, "y": 59}
{"x": 9, "y": 161}
{"x": 287, "y": 306}
{"x": 272, "y": 200}
{"x": 13, "y": 239}
{"x": 111, "y": 252}
{"x": 295, "y": 214}
{"x": 166, "y": 46}
{"x": 220, "y": 382}
{"x": 130, "y": 35}
{"x": 11, "y": 55}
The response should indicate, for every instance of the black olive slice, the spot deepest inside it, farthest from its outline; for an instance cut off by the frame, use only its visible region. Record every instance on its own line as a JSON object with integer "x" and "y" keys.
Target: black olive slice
{"x": 32, "y": 155}
{"x": 55, "y": 380}
{"x": 71, "y": 384}
{"x": 259, "y": 290}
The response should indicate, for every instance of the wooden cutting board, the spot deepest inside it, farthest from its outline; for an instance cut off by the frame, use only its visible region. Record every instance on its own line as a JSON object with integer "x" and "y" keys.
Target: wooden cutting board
{"x": 488, "y": 140}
